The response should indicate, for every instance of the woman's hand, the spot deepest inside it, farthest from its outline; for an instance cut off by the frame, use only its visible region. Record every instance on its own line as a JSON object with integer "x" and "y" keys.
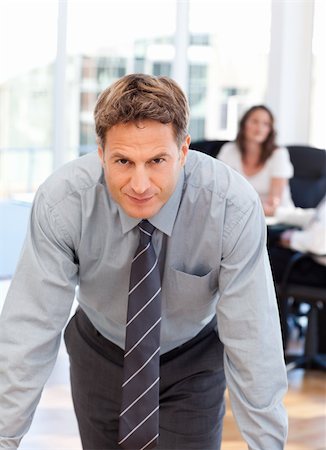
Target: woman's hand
{"x": 285, "y": 238}
{"x": 275, "y": 194}
{"x": 270, "y": 205}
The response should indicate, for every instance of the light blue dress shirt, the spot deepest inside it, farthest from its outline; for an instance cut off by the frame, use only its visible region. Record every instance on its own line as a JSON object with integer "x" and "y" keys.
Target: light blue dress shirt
{"x": 211, "y": 240}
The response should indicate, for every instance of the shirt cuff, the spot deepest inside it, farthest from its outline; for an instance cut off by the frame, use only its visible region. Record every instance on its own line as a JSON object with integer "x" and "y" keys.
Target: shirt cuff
{"x": 9, "y": 443}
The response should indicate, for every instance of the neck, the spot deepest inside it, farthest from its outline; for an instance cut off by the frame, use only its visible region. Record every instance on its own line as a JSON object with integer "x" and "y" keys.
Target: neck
{"x": 252, "y": 154}
{"x": 252, "y": 148}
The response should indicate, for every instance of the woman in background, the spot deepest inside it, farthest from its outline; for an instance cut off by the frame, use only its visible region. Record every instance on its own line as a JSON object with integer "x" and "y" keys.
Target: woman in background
{"x": 256, "y": 156}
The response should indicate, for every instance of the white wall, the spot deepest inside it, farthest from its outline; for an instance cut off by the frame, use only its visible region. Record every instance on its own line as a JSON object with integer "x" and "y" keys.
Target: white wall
{"x": 290, "y": 67}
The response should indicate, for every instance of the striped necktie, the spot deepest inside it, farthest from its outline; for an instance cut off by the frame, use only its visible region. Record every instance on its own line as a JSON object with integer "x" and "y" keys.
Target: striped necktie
{"x": 138, "y": 422}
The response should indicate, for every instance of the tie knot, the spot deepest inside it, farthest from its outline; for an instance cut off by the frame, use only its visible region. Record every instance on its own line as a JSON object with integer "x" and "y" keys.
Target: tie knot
{"x": 146, "y": 230}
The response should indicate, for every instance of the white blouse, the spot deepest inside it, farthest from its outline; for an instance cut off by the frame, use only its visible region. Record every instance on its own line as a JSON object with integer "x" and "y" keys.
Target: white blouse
{"x": 278, "y": 165}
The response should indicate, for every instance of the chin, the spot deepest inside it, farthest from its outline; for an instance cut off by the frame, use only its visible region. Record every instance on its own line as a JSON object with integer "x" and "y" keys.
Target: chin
{"x": 141, "y": 213}
{"x": 260, "y": 139}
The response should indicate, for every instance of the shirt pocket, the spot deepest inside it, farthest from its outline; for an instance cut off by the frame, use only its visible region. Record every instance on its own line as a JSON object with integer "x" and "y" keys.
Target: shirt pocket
{"x": 185, "y": 292}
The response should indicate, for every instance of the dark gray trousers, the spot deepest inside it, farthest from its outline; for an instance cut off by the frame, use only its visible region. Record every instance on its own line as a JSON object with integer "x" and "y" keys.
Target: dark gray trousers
{"x": 192, "y": 387}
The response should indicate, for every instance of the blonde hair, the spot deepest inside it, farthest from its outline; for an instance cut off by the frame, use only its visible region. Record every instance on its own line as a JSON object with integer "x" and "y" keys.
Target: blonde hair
{"x": 138, "y": 97}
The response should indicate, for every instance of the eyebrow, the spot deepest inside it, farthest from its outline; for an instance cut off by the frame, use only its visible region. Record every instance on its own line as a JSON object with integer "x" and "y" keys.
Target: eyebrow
{"x": 118, "y": 155}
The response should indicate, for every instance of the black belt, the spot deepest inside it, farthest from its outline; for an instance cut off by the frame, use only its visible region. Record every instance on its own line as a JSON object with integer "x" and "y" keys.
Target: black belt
{"x": 115, "y": 353}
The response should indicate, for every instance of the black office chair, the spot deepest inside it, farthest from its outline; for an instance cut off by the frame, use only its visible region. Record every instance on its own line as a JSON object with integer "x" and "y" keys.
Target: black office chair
{"x": 308, "y": 187}
{"x": 210, "y": 147}
{"x": 315, "y": 297}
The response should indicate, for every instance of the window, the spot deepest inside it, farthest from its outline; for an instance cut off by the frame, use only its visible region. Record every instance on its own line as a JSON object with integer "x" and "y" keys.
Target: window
{"x": 162, "y": 68}
{"x": 227, "y": 56}
{"x": 228, "y": 52}
{"x": 115, "y": 44}
{"x": 27, "y": 52}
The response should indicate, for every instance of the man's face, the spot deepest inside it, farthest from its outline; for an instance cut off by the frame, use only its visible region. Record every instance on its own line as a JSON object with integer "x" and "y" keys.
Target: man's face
{"x": 142, "y": 163}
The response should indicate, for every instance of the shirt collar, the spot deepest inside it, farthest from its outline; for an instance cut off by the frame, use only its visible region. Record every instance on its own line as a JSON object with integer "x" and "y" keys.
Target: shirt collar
{"x": 165, "y": 218}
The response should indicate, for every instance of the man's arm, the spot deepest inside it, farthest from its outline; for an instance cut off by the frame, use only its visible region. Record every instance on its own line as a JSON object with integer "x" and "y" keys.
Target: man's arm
{"x": 35, "y": 311}
{"x": 248, "y": 324}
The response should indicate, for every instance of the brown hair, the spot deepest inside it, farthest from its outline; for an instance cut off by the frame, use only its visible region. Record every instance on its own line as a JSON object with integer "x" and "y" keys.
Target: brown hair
{"x": 268, "y": 146}
{"x": 138, "y": 97}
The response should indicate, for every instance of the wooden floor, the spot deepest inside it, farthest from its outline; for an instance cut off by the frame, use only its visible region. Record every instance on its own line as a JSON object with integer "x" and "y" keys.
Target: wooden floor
{"x": 306, "y": 406}
{"x": 54, "y": 426}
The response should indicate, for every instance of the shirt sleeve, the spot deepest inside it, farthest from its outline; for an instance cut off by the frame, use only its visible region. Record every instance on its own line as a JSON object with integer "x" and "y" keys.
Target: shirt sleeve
{"x": 281, "y": 166}
{"x": 35, "y": 311}
{"x": 248, "y": 324}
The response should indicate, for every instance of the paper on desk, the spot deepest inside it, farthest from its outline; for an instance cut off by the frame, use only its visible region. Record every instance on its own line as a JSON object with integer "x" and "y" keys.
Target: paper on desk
{"x": 299, "y": 217}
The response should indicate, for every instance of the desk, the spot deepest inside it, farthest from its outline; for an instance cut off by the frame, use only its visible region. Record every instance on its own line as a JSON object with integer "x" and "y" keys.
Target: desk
{"x": 295, "y": 217}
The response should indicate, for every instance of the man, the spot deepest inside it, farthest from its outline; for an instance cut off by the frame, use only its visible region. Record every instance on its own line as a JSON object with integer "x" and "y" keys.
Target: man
{"x": 209, "y": 241}
{"x": 309, "y": 238}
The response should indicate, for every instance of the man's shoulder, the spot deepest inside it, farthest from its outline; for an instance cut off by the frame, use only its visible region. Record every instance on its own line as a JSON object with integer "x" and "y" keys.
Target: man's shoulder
{"x": 212, "y": 177}
{"x": 74, "y": 177}
{"x": 201, "y": 168}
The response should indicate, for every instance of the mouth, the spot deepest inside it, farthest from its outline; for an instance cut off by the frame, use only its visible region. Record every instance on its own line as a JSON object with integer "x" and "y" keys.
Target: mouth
{"x": 139, "y": 200}
{"x": 259, "y": 135}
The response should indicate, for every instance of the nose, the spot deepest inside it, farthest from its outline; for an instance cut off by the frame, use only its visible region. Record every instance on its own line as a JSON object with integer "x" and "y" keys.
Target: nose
{"x": 140, "y": 181}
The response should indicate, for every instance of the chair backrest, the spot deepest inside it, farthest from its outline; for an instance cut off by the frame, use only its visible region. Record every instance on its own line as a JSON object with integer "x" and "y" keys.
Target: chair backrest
{"x": 308, "y": 185}
{"x": 209, "y": 147}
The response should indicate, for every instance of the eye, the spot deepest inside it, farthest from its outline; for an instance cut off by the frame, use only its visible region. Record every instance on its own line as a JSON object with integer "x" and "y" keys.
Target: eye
{"x": 158, "y": 160}
{"x": 122, "y": 162}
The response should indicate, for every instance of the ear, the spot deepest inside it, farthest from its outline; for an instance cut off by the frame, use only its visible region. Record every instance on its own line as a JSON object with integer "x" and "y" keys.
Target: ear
{"x": 100, "y": 152}
{"x": 184, "y": 150}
